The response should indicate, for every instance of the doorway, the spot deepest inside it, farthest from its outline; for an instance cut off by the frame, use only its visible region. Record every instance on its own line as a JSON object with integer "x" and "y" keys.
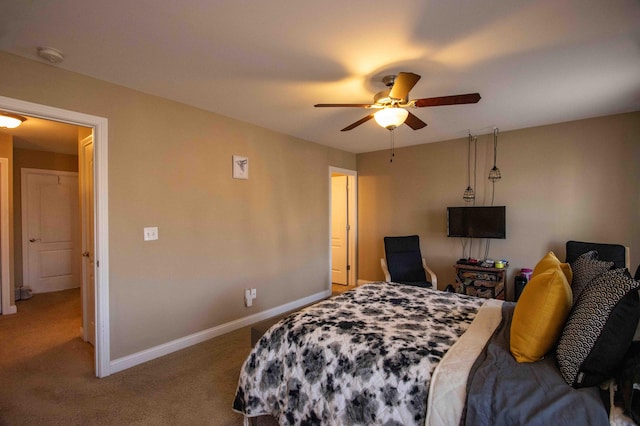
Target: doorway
{"x": 100, "y": 215}
{"x": 343, "y": 229}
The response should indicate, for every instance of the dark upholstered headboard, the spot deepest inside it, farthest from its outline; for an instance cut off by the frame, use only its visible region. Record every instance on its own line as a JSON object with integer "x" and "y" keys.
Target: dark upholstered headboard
{"x": 616, "y": 253}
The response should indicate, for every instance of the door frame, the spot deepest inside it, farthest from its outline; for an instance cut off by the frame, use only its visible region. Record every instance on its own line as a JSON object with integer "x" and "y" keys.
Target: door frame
{"x": 5, "y": 259}
{"x": 101, "y": 215}
{"x": 25, "y": 237}
{"x": 352, "y": 220}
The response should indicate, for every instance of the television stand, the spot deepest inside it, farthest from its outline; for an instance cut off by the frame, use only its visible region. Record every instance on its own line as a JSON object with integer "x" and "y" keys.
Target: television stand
{"x": 475, "y": 280}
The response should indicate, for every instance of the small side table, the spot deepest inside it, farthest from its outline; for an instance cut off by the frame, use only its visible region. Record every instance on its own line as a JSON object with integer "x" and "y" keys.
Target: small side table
{"x": 478, "y": 281}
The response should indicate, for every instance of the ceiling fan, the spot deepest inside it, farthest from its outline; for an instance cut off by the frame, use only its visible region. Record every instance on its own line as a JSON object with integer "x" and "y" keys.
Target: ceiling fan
{"x": 390, "y": 103}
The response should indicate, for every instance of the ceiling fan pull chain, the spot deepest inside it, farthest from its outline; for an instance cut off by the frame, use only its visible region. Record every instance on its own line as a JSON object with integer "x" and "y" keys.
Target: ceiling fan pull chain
{"x": 393, "y": 147}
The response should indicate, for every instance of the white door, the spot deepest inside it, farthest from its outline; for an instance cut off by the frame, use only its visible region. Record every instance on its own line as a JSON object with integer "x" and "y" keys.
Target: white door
{"x": 88, "y": 250}
{"x": 50, "y": 230}
{"x": 339, "y": 241}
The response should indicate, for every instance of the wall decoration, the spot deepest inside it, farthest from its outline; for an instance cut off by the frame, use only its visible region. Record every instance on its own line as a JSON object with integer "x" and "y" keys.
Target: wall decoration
{"x": 240, "y": 167}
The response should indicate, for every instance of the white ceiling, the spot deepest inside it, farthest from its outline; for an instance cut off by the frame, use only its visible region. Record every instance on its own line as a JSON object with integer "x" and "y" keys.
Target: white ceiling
{"x": 268, "y": 62}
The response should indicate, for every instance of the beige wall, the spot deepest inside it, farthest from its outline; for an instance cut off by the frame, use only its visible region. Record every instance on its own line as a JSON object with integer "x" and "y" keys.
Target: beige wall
{"x": 578, "y": 180}
{"x": 25, "y": 158}
{"x": 170, "y": 167}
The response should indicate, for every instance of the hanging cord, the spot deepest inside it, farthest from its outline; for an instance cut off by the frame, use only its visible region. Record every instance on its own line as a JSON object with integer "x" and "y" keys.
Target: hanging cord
{"x": 466, "y": 243}
{"x": 469, "y": 194}
{"x": 493, "y": 183}
{"x": 486, "y": 248}
{"x": 495, "y": 145}
{"x": 393, "y": 146}
{"x": 493, "y": 192}
{"x": 475, "y": 164}
{"x": 488, "y": 244}
{"x": 469, "y": 160}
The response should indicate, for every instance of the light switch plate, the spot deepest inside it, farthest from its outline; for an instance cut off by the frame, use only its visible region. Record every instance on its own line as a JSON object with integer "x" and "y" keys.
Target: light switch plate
{"x": 151, "y": 233}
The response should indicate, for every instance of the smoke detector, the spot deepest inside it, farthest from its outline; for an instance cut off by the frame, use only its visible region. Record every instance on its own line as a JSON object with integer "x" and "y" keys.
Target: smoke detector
{"x": 50, "y": 54}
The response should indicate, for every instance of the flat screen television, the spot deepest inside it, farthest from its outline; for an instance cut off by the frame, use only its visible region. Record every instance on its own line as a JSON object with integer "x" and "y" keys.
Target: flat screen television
{"x": 476, "y": 222}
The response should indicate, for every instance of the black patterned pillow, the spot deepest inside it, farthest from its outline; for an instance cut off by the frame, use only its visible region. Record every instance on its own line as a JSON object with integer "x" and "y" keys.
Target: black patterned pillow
{"x": 585, "y": 268}
{"x": 599, "y": 329}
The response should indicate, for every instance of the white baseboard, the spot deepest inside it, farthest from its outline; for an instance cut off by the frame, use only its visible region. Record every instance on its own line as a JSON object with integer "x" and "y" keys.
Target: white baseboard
{"x": 11, "y": 309}
{"x": 137, "y": 358}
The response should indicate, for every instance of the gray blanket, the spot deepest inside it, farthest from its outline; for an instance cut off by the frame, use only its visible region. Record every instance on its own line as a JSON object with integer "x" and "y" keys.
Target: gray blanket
{"x": 501, "y": 391}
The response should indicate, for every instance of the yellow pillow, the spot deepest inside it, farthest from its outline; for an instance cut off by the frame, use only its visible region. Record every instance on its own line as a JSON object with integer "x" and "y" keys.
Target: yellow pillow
{"x": 540, "y": 315}
{"x": 551, "y": 261}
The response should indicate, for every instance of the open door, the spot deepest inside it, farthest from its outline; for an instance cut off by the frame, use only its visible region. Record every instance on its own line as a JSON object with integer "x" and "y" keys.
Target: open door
{"x": 339, "y": 231}
{"x": 343, "y": 214}
{"x": 88, "y": 247}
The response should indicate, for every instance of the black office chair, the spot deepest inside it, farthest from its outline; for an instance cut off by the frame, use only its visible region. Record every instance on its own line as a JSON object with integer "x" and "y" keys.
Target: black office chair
{"x": 404, "y": 262}
{"x": 616, "y": 253}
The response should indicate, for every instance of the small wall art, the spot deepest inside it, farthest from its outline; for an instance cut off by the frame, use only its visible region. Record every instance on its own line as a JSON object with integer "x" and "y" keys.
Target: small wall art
{"x": 240, "y": 167}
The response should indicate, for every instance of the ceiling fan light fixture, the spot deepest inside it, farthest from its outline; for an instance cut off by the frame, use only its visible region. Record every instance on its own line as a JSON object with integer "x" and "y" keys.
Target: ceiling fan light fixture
{"x": 391, "y": 102}
{"x": 390, "y": 118}
{"x": 10, "y": 121}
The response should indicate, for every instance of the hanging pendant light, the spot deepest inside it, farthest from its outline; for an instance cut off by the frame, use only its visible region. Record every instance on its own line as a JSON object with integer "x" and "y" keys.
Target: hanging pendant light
{"x": 494, "y": 174}
{"x": 469, "y": 195}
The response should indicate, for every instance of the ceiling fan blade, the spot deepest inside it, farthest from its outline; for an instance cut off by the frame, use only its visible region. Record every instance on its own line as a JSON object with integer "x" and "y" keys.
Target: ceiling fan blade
{"x": 469, "y": 98}
{"x": 403, "y": 84}
{"x": 343, "y": 105}
{"x": 414, "y": 122}
{"x": 357, "y": 123}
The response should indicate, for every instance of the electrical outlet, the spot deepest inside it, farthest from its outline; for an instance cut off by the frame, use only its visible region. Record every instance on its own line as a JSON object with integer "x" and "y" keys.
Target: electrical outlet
{"x": 253, "y": 293}
{"x": 151, "y": 233}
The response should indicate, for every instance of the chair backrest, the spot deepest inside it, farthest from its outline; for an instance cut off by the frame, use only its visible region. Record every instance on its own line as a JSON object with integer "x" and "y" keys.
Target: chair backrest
{"x": 616, "y": 253}
{"x": 404, "y": 259}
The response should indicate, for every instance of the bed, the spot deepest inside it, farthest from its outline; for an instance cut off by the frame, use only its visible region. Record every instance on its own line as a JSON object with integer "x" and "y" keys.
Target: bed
{"x": 393, "y": 354}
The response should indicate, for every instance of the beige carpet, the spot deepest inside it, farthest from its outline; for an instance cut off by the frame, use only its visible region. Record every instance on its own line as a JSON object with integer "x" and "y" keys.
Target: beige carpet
{"x": 47, "y": 376}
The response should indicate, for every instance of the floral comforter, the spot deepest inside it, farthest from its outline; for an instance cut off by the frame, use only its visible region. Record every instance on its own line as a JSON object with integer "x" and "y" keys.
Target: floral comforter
{"x": 363, "y": 357}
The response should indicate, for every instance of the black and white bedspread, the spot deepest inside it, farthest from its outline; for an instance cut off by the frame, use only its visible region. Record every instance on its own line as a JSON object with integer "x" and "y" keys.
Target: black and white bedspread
{"x": 363, "y": 357}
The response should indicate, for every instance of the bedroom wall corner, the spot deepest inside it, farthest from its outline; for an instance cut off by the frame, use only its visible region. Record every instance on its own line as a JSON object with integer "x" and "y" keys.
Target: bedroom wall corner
{"x": 574, "y": 180}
